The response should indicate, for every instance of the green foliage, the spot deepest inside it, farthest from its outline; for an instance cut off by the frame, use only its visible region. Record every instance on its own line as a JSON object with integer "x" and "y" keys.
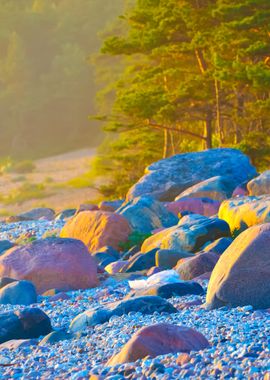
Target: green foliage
{"x": 123, "y": 160}
{"x": 8, "y": 165}
{"x": 26, "y": 238}
{"x": 26, "y": 166}
{"x": 194, "y": 74}
{"x": 84, "y": 180}
{"x": 25, "y": 192}
{"x": 257, "y": 146}
{"x": 135, "y": 238}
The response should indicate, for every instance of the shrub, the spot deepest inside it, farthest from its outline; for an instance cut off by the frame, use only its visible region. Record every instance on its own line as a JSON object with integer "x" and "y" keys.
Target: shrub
{"x": 135, "y": 238}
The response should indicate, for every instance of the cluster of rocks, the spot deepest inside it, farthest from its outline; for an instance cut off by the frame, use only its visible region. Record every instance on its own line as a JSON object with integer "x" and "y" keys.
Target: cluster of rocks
{"x": 204, "y": 225}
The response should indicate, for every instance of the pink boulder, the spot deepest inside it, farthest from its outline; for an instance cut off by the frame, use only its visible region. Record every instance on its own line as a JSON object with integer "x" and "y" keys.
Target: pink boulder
{"x": 199, "y": 264}
{"x": 202, "y": 206}
{"x": 63, "y": 264}
{"x": 160, "y": 339}
{"x": 97, "y": 229}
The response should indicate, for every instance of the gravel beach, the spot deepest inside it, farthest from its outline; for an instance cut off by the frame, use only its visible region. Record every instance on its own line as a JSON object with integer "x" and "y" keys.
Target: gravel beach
{"x": 239, "y": 337}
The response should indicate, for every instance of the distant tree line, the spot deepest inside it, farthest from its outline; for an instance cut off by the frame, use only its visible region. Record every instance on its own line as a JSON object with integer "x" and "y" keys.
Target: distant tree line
{"x": 47, "y": 87}
{"x": 195, "y": 74}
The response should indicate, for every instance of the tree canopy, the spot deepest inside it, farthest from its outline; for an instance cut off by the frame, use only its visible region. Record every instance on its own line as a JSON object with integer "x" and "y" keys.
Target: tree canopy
{"x": 195, "y": 75}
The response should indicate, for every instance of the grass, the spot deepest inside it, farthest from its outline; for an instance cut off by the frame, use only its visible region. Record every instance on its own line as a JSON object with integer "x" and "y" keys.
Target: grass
{"x": 84, "y": 180}
{"x": 8, "y": 165}
{"x": 4, "y": 213}
{"x": 25, "y": 192}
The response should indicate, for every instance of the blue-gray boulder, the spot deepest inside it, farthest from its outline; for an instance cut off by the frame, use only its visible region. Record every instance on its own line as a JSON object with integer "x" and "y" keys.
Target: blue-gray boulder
{"x": 218, "y": 246}
{"x": 24, "y": 324}
{"x": 141, "y": 261}
{"x": 176, "y": 289}
{"x": 18, "y": 293}
{"x": 145, "y": 214}
{"x": 106, "y": 256}
{"x": 55, "y": 337}
{"x": 167, "y": 178}
{"x": 5, "y": 245}
{"x": 190, "y": 234}
{"x": 144, "y": 305}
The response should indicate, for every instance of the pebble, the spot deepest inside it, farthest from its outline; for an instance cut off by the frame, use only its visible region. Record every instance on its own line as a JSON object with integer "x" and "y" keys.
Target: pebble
{"x": 239, "y": 338}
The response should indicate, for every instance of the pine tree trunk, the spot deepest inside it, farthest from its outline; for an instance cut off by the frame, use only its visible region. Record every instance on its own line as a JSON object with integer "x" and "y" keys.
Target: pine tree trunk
{"x": 208, "y": 130}
{"x": 219, "y": 122}
{"x": 172, "y": 143}
{"x": 240, "y": 114}
{"x": 166, "y": 143}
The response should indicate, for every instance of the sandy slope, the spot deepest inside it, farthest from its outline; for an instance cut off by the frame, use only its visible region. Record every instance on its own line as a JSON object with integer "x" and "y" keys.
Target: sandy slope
{"x": 53, "y": 171}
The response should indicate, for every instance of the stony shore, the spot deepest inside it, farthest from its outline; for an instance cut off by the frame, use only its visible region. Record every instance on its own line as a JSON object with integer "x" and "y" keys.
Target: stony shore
{"x": 239, "y": 341}
{"x": 160, "y": 285}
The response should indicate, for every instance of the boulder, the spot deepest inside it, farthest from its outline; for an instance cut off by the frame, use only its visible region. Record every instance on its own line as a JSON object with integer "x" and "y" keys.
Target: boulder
{"x": 131, "y": 252}
{"x": 218, "y": 246}
{"x": 241, "y": 213}
{"x": 141, "y": 261}
{"x": 110, "y": 205}
{"x": 24, "y": 324}
{"x": 18, "y": 293}
{"x": 196, "y": 266}
{"x": 5, "y": 245}
{"x": 40, "y": 213}
{"x": 59, "y": 297}
{"x": 218, "y": 188}
{"x": 146, "y": 214}
{"x": 241, "y": 276}
{"x": 116, "y": 267}
{"x": 66, "y": 214}
{"x": 189, "y": 235}
{"x": 97, "y": 229}
{"x": 201, "y": 206}
{"x": 168, "y": 258}
{"x": 176, "y": 289}
{"x": 55, "y": 337}
{"x": 144, "y": 305}
{"x": 15, "y": 344}
{"x": 87, "y": 207}
{"x": 105, "y": 256}
{"x": 260, "y": 185}
{"x": 109, "y": 251}
{"x": 159, "y": 339}
{"x": 241, "y": 190}
{"x": 64, "y": 264}
{"x": 5, "y": 281}
{"x": 167, "y": 178}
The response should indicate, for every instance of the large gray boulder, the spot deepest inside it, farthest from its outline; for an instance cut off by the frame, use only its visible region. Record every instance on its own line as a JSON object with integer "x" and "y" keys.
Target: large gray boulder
{"x": 241, "y": 275}
{"x": 217, "y": 188}
{"x": 18, "y": 293}
{"x": 189, "y": 235}
{"x": 145, "y": 214}
{"x": 165, "y": 179}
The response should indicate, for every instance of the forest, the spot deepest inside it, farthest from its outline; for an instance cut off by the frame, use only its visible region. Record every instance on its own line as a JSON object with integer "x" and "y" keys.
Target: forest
{"x": 155, "y": 77}
{"x": 47, "y": 81}
{"x": 194, "y": 74}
